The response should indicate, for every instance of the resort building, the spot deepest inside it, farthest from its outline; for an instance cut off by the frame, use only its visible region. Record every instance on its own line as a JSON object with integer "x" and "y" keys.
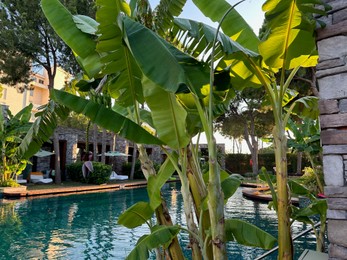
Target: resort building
{"x": 36, "y": 92}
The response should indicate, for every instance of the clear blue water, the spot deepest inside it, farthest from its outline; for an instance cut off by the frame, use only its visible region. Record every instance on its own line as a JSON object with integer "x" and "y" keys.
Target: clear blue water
{"x": 85, "y": 226}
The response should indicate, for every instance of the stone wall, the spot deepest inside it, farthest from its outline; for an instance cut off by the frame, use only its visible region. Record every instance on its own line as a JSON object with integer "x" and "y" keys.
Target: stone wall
{"x": 332, "y": 82}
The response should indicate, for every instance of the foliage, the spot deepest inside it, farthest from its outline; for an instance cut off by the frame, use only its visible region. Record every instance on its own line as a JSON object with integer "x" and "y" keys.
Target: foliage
{"x": 185, "y": 92}
{"x": 239, "y": 163}
{"x": 74, "y": 171}
{"x": 101, "y": 173}
{"x": 309, "y": 180}
{"x": 28, "y": 40}
{"x": 138, "y": 174}
{"x": 12, "y": 132}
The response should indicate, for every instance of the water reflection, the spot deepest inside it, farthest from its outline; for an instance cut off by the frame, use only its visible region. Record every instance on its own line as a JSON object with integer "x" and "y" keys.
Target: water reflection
{"x": 85, "y": 226}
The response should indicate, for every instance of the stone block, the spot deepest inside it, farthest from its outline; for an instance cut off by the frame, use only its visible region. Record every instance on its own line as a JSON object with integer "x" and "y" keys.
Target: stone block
{"x": 340, "y": 16}
{"x": 333, "y": 170}
{"x": 338, "y": 204}
{"x": 328, "y": 64}
{"x": 335, "y": 149}
{"x": 332, "y": 30}
{"x": 336, "y": 137}
{"x": 332, "y": 121}
{"x": 328, "y": 106}
{"x": 335, "y": 192}
{"x": 338, "y": 252}
{"x": 331, "y": 71}
{"x": 332, "y": 48}
{"x": 337, "y": 230}
{"x": 336, "y": 214}
{"x": 335, "y": 82}
{"x": 343, "y": 105}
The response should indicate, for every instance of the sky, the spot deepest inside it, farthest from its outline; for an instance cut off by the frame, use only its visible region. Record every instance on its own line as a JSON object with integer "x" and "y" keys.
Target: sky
{"x": 251, "y": 11}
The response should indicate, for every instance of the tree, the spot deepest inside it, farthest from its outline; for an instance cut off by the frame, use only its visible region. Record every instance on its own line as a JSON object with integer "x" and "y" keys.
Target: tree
{"x": 28, "y": 42}
{"x": 247, "y": 118}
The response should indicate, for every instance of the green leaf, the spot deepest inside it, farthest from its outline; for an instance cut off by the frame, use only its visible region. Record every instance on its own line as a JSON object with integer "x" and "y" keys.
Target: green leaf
{"x": 234, "y": 25}
{"x": 306, "y": 107}
{"x": 291, "y": 42}
{"x": 105, "y": 118}
{"x": 169, "y": 117}
{"x": 270, "y": 180}
{"x": 86, "y": 24}
{"x": 63, "y": 24}
{"x": 42, "y": 129}
{"x": 165, "y": 13}
{"x": 156, "y": 182}
{"x": 229, "y": 186}
{"x": 151, "y": 57}
{"x": 124, "y": 81}
{"x": 247, "y": 234}
{"x": 160, "y": 235}
{"x": 136, "y": 215}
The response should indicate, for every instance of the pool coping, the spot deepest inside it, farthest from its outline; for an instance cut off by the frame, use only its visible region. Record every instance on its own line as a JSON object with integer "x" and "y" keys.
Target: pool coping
{"x": 78, "y": 189}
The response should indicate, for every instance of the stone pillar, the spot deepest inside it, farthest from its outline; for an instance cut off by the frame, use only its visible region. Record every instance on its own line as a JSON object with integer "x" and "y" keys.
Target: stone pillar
{"x": 332, "y": 82}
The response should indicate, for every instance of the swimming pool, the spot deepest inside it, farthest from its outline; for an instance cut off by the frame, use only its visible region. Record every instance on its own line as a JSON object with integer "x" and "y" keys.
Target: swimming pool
{"x": 85, "y": 226}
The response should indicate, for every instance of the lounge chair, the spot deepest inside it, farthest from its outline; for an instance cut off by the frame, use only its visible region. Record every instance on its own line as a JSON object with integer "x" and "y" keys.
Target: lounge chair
{"x": 38, "y": 178}
{"x": 115, "y": 176}
{"x": 20, "y": 179}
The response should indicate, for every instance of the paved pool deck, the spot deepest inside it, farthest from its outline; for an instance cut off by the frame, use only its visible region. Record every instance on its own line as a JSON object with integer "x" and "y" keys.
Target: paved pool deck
{"x": 35, "y": 190}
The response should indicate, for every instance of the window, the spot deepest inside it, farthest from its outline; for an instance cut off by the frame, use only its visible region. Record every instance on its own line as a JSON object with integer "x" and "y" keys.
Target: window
{"x": 41, "y": 81}
{"x": 31, "y": 92}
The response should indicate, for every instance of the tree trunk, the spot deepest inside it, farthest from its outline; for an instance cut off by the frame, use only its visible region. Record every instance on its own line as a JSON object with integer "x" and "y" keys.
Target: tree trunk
{"x": 95, "y": 142}
{"x": 57, "y": 158}
{"x": 103, "y": 147}
{"x": 133, "y": 162}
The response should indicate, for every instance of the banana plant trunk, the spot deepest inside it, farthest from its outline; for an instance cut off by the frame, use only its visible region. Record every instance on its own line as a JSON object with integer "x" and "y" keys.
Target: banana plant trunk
{"x": 285, "y": 250}
{"x": 162, "y": 212}
{"x": 216, "y": 204}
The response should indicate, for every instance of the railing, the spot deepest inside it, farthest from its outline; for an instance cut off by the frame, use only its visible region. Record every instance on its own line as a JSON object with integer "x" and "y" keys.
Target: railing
{"x": 294, "y": 238}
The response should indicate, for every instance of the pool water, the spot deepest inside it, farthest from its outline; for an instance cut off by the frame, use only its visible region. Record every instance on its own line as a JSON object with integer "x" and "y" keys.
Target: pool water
{"x": 85, "y": 226}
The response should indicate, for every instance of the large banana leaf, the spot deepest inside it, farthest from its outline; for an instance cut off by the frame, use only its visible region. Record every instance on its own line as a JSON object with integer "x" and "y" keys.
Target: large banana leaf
{"x": 156, "y": 182}
{"x": 136, "y": 215}
{"x": 124, "y": 83}
{"x": 291, "y": 42}
{"x": 160, "y": 235}
{"x": 165, "y": 12}
{"x": 169, "y": 117}
{"x": 105, "y": 118}
{"x": 234, "y": 25}
{"x": 42, "y": 129}
{"x": 196, "y": 39}
{"x": 247, "y": 234}
{"x": 82, "y": 44}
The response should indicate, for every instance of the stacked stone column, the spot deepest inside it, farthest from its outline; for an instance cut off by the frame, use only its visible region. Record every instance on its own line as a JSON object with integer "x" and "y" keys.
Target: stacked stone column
{"x": 332, "y": 82}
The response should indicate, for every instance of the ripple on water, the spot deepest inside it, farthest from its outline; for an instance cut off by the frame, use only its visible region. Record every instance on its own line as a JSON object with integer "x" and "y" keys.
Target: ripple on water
{"x": 85, "y": 226}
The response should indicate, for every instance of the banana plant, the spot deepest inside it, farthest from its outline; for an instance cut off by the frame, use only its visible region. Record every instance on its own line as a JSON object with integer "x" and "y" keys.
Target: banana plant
{"x": 13, "y": 129}
{"x": 136, "y": 74}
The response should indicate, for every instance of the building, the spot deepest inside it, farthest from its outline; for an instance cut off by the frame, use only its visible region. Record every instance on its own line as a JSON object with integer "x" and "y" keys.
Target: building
{"x": 37, "y": 92}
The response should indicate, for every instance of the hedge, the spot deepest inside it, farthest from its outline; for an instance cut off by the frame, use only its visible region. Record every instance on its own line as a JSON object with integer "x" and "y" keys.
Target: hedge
{"x": 240, "y": 163}
{"x": 101, "y": 173}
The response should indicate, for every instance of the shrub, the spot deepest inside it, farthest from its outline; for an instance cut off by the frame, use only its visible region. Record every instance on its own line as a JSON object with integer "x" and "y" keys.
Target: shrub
{"x": 100, "y": 174}
{"x": 138, "y": 174}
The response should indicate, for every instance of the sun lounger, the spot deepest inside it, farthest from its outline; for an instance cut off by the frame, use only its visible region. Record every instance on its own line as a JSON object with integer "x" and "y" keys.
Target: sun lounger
{"x": 115, "y": 176}
{"x": 38, "y": 179}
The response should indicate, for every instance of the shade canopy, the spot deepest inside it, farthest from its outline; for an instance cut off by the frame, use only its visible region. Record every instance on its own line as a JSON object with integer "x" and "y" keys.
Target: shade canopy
{"x": 43, "y": 153}
{"x": 114, "y": 153}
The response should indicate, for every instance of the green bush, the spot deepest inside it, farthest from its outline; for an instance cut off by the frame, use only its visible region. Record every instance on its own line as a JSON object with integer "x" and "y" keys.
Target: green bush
{"x": 74, "y": 171}
{"x": 138, "y": 174}
{"x": 100, "y": 174}
{"x": 239, "y": 163}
